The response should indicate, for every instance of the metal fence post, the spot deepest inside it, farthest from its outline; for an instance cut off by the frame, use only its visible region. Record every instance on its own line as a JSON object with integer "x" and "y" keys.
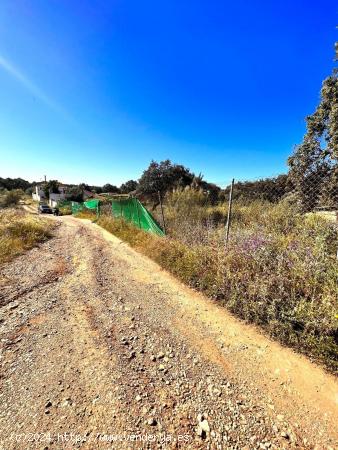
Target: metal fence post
{"x": 138, "y": 212}
{"x": 163, "y": 221}
{"x": 229, "y": 213}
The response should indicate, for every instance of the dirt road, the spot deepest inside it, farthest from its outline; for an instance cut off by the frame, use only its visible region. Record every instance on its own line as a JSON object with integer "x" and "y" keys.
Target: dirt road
{"x": 100, "y": 348}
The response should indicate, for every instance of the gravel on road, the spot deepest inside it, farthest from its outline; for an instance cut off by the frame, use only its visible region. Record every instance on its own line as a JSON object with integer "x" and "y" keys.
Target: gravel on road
{"x": 100, "y": 348}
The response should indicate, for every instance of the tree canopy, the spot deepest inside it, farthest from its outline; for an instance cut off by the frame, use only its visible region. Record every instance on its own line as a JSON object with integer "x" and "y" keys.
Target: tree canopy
{"x": 128, "y": 186}
{"x": 314, "y": 164}
{"x": 270, "y": 189}
{"x": 52, "y": 186}
{"x": 14, "y": 183}
{"x": 75, "y": 194}
{"x": 162, "y": 177}
{"x": 110, "y": 188}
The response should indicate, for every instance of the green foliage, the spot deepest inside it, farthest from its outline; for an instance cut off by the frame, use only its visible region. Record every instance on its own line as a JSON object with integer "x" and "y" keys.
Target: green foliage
{"x": 162, "y": 177}
{"x": 110, "y": 188}
{"x": 52, "y": 186}
{"x": 314, "y": 164}
{"x": 65, "y": 207}
{"x": 74, "y": 194}
{"x": 128, "y": 186}
{"x": 268, "y": 189}
{"x": 14, "y": 183}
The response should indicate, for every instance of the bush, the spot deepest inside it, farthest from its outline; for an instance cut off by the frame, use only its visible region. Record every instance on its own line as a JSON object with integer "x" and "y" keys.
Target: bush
{"x": 65, "y": 210}
{"x": 11, "y": 198}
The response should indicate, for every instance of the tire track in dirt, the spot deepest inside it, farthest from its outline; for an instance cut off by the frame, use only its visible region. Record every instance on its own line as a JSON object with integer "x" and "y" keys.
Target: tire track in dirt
{"x": 113, "y": 345}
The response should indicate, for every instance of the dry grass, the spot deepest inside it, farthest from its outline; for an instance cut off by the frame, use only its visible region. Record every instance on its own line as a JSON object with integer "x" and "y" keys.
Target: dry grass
{"x": 86, "y": 214}
{"x": 279, "y": 270}
{"x": 20, "y": 231}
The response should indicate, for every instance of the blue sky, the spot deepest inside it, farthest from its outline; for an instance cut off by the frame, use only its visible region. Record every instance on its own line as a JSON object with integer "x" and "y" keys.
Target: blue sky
{"x": 92, "y": 90}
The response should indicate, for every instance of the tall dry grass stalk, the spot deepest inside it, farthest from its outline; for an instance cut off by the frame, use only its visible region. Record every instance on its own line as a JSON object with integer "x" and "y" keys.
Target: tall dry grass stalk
{"x": 20, "y": 231}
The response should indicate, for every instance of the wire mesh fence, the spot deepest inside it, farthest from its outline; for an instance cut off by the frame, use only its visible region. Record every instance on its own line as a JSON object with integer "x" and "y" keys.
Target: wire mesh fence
{"x": 256, "y": 207}
{"x": 244, "y": 209}
{"x": 252, "y": 204}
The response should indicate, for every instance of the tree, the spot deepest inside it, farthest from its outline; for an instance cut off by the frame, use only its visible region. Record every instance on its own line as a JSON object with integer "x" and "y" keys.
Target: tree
{"x": 51, "y": 187}
{"x": 314, "y": 164}
{"x": 269, "y": 189}
{"x": 75, "y": 194}
{"x": 163, "y": 177}
{"x": 110, "y": 188}
{"x": 211, "y": 189}
{"x": 14, "y": 183}
{"x": 84, "y": 187}
{"x": 96, "y": 189}
{"x": 128, "y": 186}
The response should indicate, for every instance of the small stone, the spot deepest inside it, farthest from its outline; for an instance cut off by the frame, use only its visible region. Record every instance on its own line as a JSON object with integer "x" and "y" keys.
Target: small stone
{"x": 161, "y": 367}
{"x": 284, "y": 435}
{"x": 152, "y": 422}
{"x": 160, "y": 355}
{"x": 138, "y": 398}
{"x": 48, "y": 404}
{"x": 153, "y": 358}
{"x": 205, "y": 426}
{"x": 201, "y": 417}
{"x": 217, "y": 392}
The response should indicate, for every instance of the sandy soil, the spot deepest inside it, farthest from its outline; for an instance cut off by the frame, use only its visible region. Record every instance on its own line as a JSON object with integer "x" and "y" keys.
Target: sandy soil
{"x": 100, "y": 348}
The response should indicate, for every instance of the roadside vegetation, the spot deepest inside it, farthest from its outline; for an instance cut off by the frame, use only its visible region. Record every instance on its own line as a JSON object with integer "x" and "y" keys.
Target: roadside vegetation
{"x": 20, "y": 231}
{"x": 279, "y": 269}
{"x": 86, "y": 214}
{"x": 10, "y": 198}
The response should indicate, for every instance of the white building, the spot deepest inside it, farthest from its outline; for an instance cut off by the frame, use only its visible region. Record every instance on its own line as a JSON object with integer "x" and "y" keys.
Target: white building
{"x": 40, "y": 196}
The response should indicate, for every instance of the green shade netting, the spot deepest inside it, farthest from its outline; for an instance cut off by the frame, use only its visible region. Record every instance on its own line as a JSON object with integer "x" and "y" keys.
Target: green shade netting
{"x": 76, "y": 207}
{"x": 132, "y": 210}
{"x": 92, "y": 204}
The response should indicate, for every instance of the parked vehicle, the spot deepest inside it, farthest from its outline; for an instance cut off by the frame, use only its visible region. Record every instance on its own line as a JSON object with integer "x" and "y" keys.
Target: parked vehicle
{"x": 44, "y": 209}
